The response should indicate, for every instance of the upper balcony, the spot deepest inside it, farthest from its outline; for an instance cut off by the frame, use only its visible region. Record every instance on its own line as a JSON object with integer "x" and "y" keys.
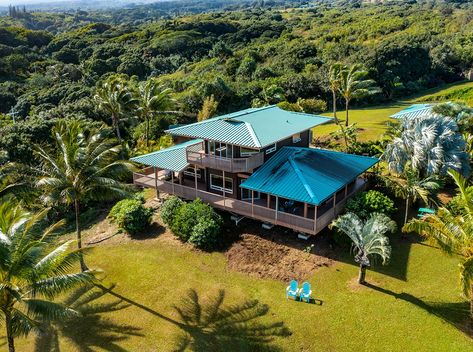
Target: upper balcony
{"x": 196, "y": 155}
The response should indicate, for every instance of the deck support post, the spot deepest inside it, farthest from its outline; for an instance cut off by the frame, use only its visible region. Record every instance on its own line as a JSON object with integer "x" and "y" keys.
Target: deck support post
{"x": 195, "y": 179}
{"x": 277, "y": 209}
{"x": 315, "y": 219}
{"x": 172, "y": 181}
{"x": 305, "y": 210}
{"x": 334, "y": 205}
{"x": 156, "y": 183}
{"x": 252, "y": 202}
{"x": 268, "y": 203}
{"x": 223, "y": 176}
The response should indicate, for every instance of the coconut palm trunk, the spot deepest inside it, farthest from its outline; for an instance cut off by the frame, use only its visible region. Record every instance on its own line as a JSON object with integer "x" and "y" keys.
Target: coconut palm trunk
{"x": 147, "y": 132}
{"x": 334, "y": 98}
{"x": 117, "y": 127}
{"x": 9, "y": 331}
{"x": 83, "y": 266}
{"x": 347, "y": 102}
{"x": 407, "y": 210}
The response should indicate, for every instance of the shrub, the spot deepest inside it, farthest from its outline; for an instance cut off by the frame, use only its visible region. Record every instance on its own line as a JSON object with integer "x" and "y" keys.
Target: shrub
{"x": 131, "y": 215}
{"x": 189, "y": 215}
{"x": 285, "y": 105}
{"x": 170, "y": 208}
{"x": 205, "y": 234}
{"x": 312, "y": 106}
{"x": 365, "y": 203}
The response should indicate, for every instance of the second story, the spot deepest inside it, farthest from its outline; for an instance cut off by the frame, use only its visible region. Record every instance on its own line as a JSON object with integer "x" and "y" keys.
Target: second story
{"x": 243, "y": 141}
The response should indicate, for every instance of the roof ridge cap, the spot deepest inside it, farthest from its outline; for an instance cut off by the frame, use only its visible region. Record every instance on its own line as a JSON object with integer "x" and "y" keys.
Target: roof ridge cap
{"x": 302, "y": 178}
{"x": 170, "y": 130}
{"x": 253, "y": 135}
{"x": 245, "y": 112}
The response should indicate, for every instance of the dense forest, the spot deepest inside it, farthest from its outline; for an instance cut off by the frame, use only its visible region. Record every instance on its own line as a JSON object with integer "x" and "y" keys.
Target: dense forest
{"x": 260, "y": 53}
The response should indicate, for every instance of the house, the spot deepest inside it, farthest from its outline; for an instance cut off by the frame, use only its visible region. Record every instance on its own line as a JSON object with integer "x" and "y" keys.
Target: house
{"x": 413, "y": 111}
{"x": 257, "y": 163}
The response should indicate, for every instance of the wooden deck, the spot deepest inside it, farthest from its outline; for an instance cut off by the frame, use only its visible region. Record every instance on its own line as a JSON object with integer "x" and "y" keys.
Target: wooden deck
{"x": 248, "y": 209}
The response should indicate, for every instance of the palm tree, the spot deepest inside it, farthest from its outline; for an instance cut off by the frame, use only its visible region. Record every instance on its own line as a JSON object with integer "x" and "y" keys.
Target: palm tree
{"x": 152, "y": 99}
{"x": 429, "y": 144}
{"x": 369, "y": 238}
{"x": 114, "y": 97}
{"x": 33, "y": 273}
{"x": 83, "y": 165}
{"x": 334, "y": 84}
{"x": 352, "y": 84}
{"x": 452, "y": 232}
{"x": 410, "y": 187}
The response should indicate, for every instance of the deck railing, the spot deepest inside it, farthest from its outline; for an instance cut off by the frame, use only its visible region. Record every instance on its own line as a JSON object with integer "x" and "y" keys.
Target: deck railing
{"x": 226, "y": 164}
{"x": 298, "y": 223}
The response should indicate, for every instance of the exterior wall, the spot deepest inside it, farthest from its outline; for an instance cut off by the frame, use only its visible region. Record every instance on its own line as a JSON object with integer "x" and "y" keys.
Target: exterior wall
{"x": 304, "y": 142}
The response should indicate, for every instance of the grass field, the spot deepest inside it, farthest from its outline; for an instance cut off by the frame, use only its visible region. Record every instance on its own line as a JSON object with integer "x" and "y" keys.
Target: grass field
{"x": 372, "y": 120}
{"x": 413, "y": 304}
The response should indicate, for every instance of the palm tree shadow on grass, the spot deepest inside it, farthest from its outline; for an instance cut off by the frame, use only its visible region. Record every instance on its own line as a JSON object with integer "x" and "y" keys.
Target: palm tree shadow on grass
{"x": 211, "y": 326}
{"x": 90, "y": 329}
{"x": 455, "y": 313}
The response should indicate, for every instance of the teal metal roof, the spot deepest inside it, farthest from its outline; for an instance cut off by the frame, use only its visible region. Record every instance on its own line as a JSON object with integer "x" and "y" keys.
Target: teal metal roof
{"x": 173, "y": 158}
{"x": 253, "y": 128}
{"x": 413, "y": 111}
{"x": 307, "y": 175}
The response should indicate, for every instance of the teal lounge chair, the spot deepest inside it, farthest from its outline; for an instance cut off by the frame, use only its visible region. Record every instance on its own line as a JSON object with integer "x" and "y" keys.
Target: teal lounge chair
{"x": 292, "y": 289}
{"x": 305, "y": 292}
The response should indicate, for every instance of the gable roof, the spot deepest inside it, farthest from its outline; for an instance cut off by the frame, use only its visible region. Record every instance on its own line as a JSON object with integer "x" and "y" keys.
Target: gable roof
{"x": 252, "y": 128}
{"x": 307, "y": 175}
{"x": 413, "y": 111}
{"x": 173, "y": 158}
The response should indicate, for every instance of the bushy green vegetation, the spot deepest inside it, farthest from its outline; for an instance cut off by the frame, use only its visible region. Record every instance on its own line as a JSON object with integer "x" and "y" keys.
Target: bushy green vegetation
{"x": 194, "y": 222}
{"x": 250, "y": 55}
{"x": 365, "y": 203}
{"x": 131, "y": 215}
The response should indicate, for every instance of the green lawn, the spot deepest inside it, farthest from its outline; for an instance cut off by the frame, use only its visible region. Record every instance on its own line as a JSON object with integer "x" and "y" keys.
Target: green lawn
{"x": 413, "y": 305}
{"x": 372, "y": 120}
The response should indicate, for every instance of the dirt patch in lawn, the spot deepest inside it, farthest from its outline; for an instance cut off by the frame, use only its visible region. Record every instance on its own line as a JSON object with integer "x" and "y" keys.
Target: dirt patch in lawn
{"x": 279, "y": 256}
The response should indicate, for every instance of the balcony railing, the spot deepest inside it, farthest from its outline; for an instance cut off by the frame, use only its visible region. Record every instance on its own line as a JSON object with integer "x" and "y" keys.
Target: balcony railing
{"x": 295, "y": 222}
{"x": 226, "y": 164}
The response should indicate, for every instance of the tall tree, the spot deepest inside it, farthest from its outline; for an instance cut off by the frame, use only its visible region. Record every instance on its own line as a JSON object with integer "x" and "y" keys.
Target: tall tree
{"x": 209, "y": 108}
{"x": 152, "y": 99}
{"x": 369, "y": 238}
{"x": 32, "y": 273}
{"x": 354, "y": 85}
{"x": 452, "y": 231}
{"x": 334, "y": 84}
{"x": 410, "y": 187}
{"x": 82, "y": 165}
{"x": 114, "y": 97}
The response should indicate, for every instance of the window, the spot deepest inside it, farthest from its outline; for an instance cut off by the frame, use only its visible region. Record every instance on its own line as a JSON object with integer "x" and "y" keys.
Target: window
{"x": 222, "y": 150}
{"x": 247, "y": 151}
{"x": 296, "y": 138}
{"x": 216, "y": 183}
{"x": 271, "y": 149}
{"x": 190, "y": 172}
